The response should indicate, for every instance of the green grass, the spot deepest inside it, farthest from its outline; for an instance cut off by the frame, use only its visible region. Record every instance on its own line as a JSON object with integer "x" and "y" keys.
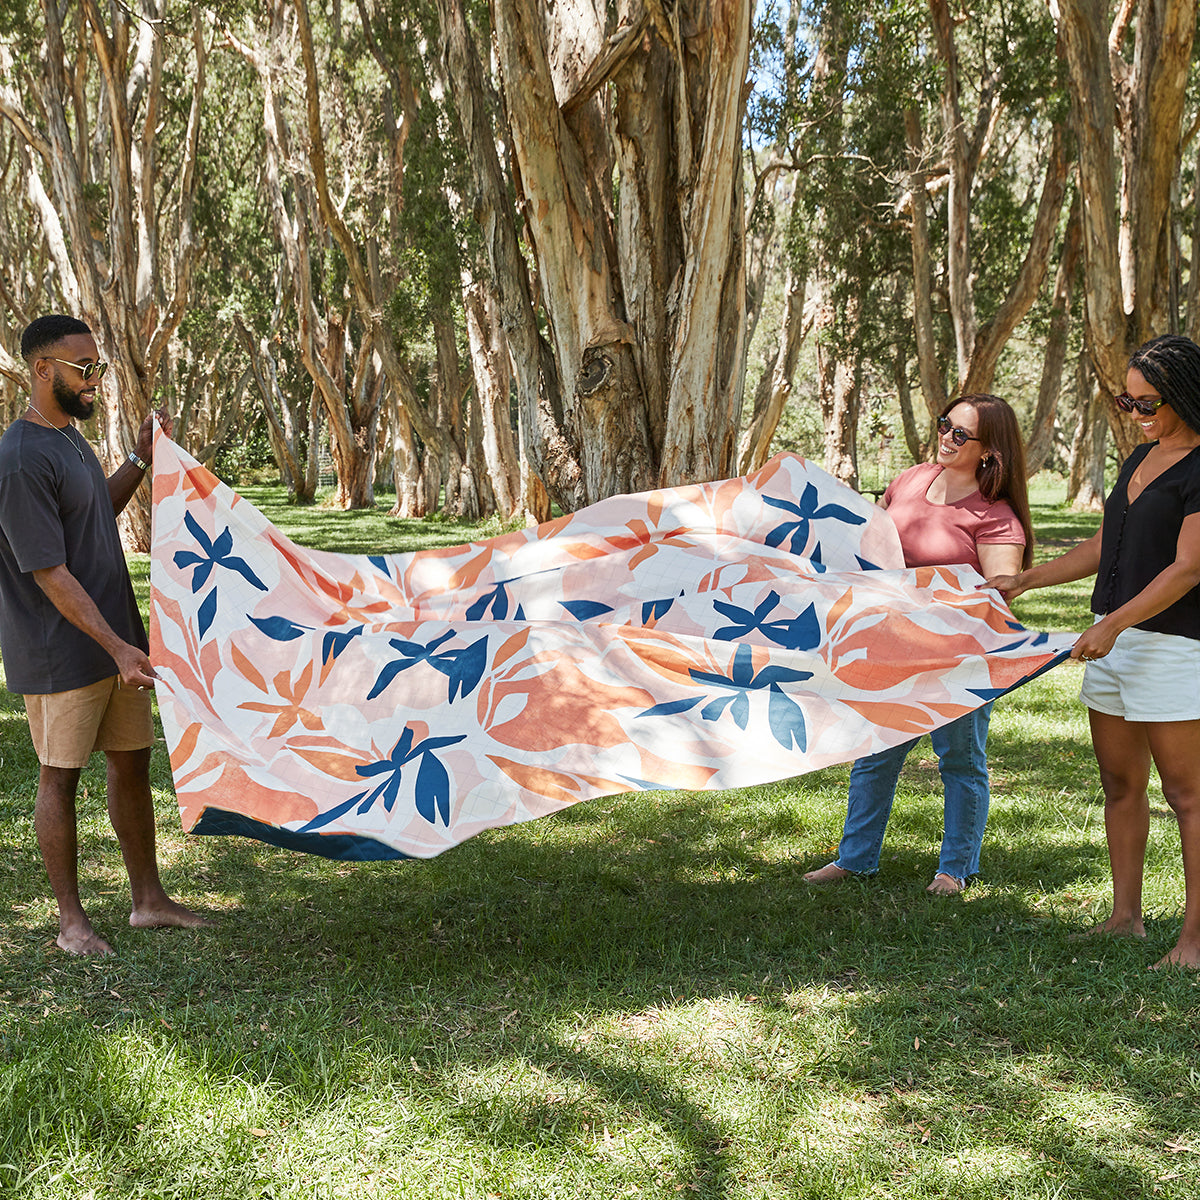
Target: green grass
{"x": 638, "y": 997}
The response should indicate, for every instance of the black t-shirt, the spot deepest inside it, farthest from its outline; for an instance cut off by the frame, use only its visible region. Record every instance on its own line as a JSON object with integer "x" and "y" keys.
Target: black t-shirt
{"x": 1139, "y": 541}
{"x": 55, "y": 509}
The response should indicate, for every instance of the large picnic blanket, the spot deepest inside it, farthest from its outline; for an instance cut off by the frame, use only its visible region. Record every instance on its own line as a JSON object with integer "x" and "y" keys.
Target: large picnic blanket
{"x": 393, "y": 705}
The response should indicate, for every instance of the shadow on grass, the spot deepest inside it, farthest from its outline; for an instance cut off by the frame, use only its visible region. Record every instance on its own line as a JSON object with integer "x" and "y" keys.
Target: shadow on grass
{"x": 325, "y": 979}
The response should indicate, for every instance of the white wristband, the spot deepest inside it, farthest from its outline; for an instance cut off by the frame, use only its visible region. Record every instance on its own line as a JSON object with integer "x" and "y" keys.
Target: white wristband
{"x": 140, "y": 463}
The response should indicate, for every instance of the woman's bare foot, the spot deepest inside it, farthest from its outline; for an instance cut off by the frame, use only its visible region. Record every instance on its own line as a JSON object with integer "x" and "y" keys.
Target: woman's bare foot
{"x": 829, "y": 873}
{"x": 945, "y": 885}
{"x": 166, "y": 912}
{"x": 1116, "y": 926}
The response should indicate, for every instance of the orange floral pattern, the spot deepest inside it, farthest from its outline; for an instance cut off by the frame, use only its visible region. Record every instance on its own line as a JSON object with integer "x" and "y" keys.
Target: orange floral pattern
{"x": 393, "y": 705}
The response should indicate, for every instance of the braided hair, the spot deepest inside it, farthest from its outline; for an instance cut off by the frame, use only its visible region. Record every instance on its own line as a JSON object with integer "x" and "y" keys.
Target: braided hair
{"x": 1171, "y": 365}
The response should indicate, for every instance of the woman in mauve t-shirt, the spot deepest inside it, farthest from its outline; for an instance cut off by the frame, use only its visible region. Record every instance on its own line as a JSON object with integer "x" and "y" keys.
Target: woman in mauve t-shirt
{"x": 969, "y": 507}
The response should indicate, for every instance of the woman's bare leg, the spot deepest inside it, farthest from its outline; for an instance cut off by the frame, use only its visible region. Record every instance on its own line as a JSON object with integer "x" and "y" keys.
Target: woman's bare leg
{"x": 1175, "y": 746}
{"x": 1122, "y": 751}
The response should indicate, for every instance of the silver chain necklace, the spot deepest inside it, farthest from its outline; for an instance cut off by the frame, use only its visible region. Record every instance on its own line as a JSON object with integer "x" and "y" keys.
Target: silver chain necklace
{"x": 76, "y": 446}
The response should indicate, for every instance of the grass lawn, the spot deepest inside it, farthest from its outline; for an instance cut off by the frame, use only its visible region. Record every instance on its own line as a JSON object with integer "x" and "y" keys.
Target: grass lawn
{"x": 636, "y": 998}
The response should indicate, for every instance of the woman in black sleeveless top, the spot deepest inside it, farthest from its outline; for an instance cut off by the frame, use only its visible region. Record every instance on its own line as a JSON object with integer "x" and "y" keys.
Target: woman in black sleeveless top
{"x": 1142, "y": 683}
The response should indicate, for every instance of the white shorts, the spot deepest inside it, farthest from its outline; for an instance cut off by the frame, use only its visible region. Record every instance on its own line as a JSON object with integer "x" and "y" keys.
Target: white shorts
{"x": 1146, "y": 677}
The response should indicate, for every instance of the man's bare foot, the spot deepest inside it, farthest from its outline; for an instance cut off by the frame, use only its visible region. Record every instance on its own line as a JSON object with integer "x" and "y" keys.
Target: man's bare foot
{"x": 829, "y": 873}
{"x": 1116, "y": 926}
{"x": 166, "y": 913}
{"x": 1185, "y": 954}
{"x": 83, "y": 941}
{"x": 945, "y": 885}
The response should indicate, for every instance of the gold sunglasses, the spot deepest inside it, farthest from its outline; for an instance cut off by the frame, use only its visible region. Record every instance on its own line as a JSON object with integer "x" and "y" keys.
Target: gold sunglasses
{"x": 87, "y": 370}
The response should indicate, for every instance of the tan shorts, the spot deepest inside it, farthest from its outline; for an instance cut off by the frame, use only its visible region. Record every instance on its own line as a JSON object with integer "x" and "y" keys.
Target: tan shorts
{"x": 68, "y": 726}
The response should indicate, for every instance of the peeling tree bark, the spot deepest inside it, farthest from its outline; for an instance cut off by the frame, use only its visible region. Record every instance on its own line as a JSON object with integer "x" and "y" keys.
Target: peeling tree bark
{"x": 129, "y": 285}
{"x": 1126, "y": 261}
{"x": 489, "y": 358}
{"x": 1040, "y": 442}
{"x": 643, "y": 297}
{"x": 546, "y": 447}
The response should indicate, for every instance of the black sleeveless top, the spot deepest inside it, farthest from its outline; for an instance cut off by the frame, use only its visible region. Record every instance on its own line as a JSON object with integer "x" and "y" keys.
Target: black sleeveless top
{"x": 1139, "y": 541}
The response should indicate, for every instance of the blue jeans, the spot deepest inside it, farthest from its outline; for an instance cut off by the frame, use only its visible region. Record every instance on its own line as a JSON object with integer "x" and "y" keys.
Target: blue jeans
{"x": 961, "y": 748}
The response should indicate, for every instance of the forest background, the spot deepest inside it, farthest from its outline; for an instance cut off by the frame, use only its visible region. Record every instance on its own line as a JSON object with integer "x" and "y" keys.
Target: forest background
{"x": 497, "y": 258}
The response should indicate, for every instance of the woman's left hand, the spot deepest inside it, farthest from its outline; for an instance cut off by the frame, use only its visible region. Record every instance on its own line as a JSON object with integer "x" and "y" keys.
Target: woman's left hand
{"x": 1095, "y": 643}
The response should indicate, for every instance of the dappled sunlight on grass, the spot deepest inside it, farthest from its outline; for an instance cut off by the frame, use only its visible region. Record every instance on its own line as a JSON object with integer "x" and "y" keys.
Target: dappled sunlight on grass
{"x": 637, "y": 997}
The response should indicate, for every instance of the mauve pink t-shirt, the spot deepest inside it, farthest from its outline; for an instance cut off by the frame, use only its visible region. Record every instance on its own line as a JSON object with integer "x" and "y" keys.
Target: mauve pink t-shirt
{"x": 945, "y": 535}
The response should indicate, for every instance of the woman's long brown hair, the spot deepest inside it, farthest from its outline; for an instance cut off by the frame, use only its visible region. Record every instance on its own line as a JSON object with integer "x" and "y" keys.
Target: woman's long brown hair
{"x": 1001, "y": 471}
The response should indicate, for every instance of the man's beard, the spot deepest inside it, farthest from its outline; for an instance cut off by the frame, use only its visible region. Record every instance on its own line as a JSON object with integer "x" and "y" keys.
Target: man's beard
{"x": 71, "y": 402}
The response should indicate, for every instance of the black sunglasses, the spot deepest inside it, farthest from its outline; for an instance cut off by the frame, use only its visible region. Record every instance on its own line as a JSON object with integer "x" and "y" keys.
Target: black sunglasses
{"x": 958, "y": 435}
{"x": 1126, "y": 403}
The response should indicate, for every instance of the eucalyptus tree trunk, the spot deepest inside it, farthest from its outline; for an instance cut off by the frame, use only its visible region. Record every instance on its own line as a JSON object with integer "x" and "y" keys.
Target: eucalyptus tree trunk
{"x": 125, "y": 271}
{"x": 321, "y": 336}
{"x": 1191, "y": 316}
{"x": 839, "y": 383}
{"x": 406, "y": 466}
{"x": 549, "y": 459}
{"x": 1085, "y": 480}
{"x": 493, "y": 375}
{"x": 1040, "y": 442}
{"x": 293, "y": 421}
{"x": 211, "y": 401}
{"x": 1126, "y": 200}
{"x": 625, "y": 139}
{"x": 966, "y": 144}
{"x": 835, "y": 326}
{"x": 775, "y": 386}
{"x": 933, "y": 387}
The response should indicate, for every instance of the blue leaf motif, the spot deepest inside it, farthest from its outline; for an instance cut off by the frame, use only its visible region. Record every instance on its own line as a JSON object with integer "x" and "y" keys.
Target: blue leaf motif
{"x": 653, "y": 609}
{"x": 208, "y": 610}
{"x": 806, "y": 511}
{"x": 463, "y": 667}
{"x": 774, "y": 676}
{"x": 433, "y": 790}
{"x": 784, "y": 715}
{"x": 786, "y": 719}
{"x": 389, "y": 672}
{"x": 215, "y": 554}
{"x": 496, "y": 599}
{"x": 280, "y": 629}
{"x": 715, "y": 709}
{"x": 204, "y": 566}
{"x": 336, "y": 641}
{"x": 332, "y": 814}
{"x": 585, "y": 610}
{"x": 802, "y": 632}
{"x": 670, "y": 708}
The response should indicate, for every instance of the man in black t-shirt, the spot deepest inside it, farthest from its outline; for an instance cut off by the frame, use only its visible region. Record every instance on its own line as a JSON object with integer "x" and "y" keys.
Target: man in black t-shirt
{"x": 71, "y": 636}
